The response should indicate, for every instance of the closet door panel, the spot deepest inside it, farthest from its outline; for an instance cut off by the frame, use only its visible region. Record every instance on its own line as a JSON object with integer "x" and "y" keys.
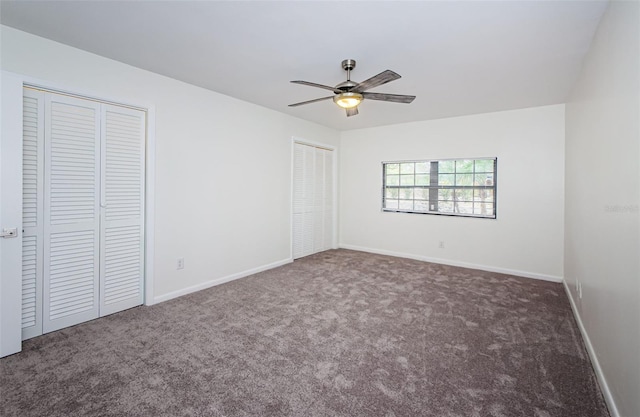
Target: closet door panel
{"x": 298, "y": 200}
{"x": 318, "y": 200}
{"x": 122, "y": 236}
{"x": 32, "y": 212}
{"x": 328, "y": 200}
{"x": 71, "y": 211}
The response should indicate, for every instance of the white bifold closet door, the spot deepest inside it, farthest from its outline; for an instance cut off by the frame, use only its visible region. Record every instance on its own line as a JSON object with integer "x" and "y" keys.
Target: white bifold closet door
{"x": 83, "y": 205}
{"x": 313, "y": 211}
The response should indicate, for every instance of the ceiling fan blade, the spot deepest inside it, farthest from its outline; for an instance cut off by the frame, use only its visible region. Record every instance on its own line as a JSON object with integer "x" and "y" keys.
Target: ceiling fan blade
{"x": 395, "y": 98}
{"x": 310, "y": 101}
{"x": 326, "y": 87}
{"x": 382, "y": 78}
{"x": 352, "y": 112}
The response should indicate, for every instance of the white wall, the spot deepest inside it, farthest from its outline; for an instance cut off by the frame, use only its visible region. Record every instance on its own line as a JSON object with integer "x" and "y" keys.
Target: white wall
{"x": 527, "y": 236}
{"x": 602, "y": 203}
{"x": 223, "y": 166}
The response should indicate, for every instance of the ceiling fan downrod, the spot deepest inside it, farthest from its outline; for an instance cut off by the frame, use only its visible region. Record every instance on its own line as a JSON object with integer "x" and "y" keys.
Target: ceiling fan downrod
{"x": 348, "y": 65}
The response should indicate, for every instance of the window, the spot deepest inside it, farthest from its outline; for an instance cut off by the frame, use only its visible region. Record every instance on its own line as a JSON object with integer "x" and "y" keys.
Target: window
{"x": 455, "y": 187}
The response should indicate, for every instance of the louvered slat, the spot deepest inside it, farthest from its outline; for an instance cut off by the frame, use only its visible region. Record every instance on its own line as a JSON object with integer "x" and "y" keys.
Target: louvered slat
{"x": 72, "y": 164}
{"x": 29, "y": 280}
{"x": 71, "y": 267}
{"x": 30, "y": 162}
{"x": 123, "y": 140}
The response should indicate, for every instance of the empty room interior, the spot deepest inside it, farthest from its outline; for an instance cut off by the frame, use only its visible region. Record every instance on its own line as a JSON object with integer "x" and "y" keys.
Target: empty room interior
{"x": 301, "y": 208}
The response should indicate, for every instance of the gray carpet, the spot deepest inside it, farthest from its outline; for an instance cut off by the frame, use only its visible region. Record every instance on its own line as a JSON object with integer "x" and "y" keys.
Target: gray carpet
{"x": 340, "y": 333}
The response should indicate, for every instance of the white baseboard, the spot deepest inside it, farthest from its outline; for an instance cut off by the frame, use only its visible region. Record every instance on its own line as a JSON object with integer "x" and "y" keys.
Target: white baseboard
{"x": 516, "y": 272}
{"x": 604, "y": 386}
{"x": 218, "y": 281}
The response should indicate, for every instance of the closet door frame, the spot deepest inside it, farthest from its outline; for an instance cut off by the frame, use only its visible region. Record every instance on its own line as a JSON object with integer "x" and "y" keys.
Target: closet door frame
{"x": 11, "y": 283}
{"x": 334, "y": 153}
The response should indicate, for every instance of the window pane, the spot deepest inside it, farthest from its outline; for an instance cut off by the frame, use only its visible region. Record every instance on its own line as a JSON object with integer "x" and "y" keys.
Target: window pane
{"x": 445, "y": 206}
{"x": 392, "y": 168}
{"x": 406, "y": 179}
{"x": 393, "y": 180}
{"x": 485, "y": 209}
{"x": 484, "y": 165}
{"x": 464, "y": 195}
{"x": 446, "y": 179}
{"x": 421, "y": 205}
{"x": 421, "y": 194}
{"x": 464, "y": 165}
{"x": 483, "y": 195}
{"x": 489, "y": 180}
{"x": 407, "y": 168}
{"x": 391, "y": 204}
{"x": 422, "y": 179}
{"x": 446, "y": 194}
{"x": 483, "y": 179}
{"x": 391, "y": 193}
{"x": 464, "y": 179}
{"x": 465, "y": 208}
{"x": 406, "y": 193}
{"x": 446, "y": 166}
{"x": 422, "y": 167}
{"x": 406, "y": 205}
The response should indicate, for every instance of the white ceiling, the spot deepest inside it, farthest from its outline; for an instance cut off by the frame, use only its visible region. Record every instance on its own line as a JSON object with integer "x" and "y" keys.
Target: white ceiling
{"x": 457, "y": 57}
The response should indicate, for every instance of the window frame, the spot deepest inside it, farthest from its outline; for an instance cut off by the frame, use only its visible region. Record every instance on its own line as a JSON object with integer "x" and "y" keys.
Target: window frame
{"x": 433, "y": 189}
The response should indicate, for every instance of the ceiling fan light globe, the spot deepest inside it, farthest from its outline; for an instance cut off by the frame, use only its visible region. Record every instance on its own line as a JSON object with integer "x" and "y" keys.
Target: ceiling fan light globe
{"x": 348, "y": 100}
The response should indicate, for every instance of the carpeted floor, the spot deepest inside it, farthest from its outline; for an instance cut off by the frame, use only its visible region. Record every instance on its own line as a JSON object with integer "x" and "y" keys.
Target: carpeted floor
{"x": 340, "y": 333}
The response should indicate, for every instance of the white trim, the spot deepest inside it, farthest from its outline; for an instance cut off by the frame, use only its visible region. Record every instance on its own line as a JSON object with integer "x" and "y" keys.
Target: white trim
{"x": 150, "y": 204}
{"x": 524, "y": 274}
{"x": 218, "y": 281}
{"x": 313, "y": 143}
{"x": 604, "y": 386}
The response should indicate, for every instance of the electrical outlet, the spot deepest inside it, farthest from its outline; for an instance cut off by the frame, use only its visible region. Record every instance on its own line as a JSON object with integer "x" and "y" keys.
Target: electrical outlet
{"x": 441, "y": 244}
{"x": 180, "y": 264}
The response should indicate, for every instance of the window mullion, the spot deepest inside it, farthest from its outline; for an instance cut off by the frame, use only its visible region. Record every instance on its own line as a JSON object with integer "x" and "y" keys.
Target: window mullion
{"x": 433, "y": 186}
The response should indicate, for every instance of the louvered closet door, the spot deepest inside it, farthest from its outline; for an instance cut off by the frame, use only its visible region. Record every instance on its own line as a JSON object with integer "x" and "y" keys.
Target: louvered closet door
{"x": 71, "y": 211}
{"x": 312, "y": 200}
{"x": 32, "y": 212}
{"x": 122, "y": 234}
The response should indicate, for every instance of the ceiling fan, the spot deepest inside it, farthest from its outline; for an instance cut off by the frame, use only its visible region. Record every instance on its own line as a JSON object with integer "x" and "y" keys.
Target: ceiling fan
{"x": 349, "y": 94}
